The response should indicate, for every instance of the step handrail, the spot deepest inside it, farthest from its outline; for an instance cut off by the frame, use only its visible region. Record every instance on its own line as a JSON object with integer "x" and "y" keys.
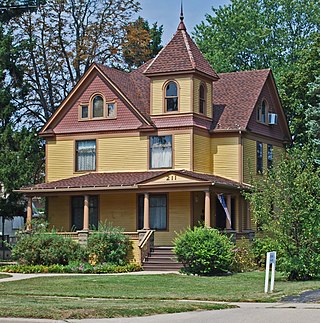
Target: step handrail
{"x": 146, "y": 243}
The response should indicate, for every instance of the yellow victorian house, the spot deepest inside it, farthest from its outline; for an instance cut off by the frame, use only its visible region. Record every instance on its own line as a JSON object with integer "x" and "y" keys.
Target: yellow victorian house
{"x": 152, "y": 150}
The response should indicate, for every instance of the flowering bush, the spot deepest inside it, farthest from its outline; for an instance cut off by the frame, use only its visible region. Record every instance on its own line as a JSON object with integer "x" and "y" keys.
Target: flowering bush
{"x": 244, "y": 259}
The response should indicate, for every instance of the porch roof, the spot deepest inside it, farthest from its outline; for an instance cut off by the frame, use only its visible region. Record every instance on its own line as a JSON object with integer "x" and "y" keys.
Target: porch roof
{"x": 125, "y": 180}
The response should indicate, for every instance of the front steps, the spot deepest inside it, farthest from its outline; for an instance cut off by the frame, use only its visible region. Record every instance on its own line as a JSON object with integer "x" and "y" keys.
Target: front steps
{"x": 161, "y": 259}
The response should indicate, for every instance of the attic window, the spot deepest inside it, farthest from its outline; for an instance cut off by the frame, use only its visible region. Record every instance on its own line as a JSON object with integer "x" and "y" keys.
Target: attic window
{"x": 97, "y": 107}
{"x": 171, "y": 97}
{"x": 263, "y": 112}
{"x": 202, "y": 99}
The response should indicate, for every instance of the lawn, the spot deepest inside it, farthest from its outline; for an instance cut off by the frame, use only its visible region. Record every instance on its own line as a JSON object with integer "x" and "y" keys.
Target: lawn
{"x": 4, "y": 276}
{"x": 127, "y": 295}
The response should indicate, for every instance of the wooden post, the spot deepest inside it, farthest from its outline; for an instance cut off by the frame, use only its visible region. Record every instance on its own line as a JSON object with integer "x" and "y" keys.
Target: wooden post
{"x": 228, "y": 226}
{"x": 86, "y": 213}
{"x": 146, "y": 218}
{"x": 207, "y": 213}
{"x": 29, "y": 213}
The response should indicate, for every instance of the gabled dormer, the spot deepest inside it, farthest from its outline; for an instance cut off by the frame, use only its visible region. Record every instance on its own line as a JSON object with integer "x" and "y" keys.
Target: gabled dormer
{"x": 180, "y": 78}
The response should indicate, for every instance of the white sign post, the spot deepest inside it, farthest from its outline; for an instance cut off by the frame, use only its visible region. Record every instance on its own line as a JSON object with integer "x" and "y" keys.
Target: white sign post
{"x": 271, "y": 260}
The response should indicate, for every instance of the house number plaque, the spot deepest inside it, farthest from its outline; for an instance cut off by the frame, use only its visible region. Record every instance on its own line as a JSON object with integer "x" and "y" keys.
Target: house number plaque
{"x": 171, "y": 178}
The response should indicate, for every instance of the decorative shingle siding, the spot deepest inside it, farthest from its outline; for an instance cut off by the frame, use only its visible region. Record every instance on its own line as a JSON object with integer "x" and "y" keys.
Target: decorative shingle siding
{"x": 70, "y": 123}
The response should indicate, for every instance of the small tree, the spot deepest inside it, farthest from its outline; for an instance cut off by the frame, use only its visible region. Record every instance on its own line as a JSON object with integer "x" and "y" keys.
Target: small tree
{"x": 286, "y": 206}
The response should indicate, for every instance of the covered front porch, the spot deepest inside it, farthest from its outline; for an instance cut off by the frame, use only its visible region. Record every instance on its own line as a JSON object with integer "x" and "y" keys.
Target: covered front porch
{"x": 164, "y": 202}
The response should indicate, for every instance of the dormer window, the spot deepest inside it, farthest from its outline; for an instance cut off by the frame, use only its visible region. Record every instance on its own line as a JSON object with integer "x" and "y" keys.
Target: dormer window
{"x": 263, "y": 112}
{"x": 202, "y": 99}
{"x": 97, "y": 107}
{"x": 171, "y": 97}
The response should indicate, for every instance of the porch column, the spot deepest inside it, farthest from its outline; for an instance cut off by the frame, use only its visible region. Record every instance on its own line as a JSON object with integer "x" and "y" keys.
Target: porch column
{"x": 229, "y": 209}
{"x": 86, "y": 213}
{"x": 29, "y": 213}
{"x": 207, "y": 215}
{"x": 146, "y": 219}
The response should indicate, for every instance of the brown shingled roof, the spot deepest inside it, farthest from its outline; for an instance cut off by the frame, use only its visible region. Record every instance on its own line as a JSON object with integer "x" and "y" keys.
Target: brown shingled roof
{"x": 122, "y": 179}
{"x": 235, "y": 96}
{"x": 181, "y": 54}
{"x": 135, "y": 86}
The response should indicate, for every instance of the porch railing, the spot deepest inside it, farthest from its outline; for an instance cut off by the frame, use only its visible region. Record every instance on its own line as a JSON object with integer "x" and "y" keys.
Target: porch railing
{"x": 146, "y": 243}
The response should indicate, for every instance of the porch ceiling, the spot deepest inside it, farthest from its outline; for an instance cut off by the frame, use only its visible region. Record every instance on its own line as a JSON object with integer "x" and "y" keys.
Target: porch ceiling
{"x": 185, "y": 180}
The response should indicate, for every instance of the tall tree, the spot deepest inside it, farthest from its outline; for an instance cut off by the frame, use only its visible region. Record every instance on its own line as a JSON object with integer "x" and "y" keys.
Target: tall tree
{"x": 255, "y": 34}
{"x": 141, "y": 42}
{"x": 61, "y": 40}
{"x": 21, "y": 156}
{"x": 285, "y": 204}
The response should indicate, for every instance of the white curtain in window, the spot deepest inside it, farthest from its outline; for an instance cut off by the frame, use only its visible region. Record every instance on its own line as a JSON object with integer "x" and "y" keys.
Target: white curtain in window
{"x": 158, "y": 212}
{"x": 86, "y": 155}
{"x": 161, "y": 152}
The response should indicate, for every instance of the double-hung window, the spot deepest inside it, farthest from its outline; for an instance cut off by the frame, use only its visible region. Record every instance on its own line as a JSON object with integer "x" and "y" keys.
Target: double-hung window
{"x": 85, "y": 155}
{"x": 157, "y": 211}
{"x": 202, "y": 99}
{"x": 270, "y": 155}
{"x": 259, "y": 157}
{"x": 160, "y": 151}
{"x": 171, "y": 97}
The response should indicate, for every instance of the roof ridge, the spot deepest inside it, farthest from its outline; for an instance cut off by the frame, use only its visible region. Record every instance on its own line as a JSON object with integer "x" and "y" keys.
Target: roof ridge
{"x": 185, "y": 38}
{"x": 246, "y": 71}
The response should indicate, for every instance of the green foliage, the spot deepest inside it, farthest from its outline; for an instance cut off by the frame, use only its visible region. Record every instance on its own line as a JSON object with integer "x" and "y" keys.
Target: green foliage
{"x": 286, "y": 207}
{"x": 45, "y": 249}
{"x": 278, "y": 34}
{"x": 261, "y": 246}
{"x": 141, "y": 42}
{"x": 73, "y": 267}
{"x": 244, "y": 259}
{"x": 108, "y": 245}
{"x": 204, "y": 251}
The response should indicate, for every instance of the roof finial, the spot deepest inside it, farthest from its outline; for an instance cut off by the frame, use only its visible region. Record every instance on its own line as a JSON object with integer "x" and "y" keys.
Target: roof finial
{"x": 181, "y": 25}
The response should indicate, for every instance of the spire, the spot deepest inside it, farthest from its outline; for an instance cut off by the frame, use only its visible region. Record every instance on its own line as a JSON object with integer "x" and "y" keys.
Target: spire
{"x": 181, "y": 25}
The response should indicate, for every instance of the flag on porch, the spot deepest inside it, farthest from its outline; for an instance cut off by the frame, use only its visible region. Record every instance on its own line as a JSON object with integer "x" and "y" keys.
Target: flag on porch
{"x": 224, "y": 205}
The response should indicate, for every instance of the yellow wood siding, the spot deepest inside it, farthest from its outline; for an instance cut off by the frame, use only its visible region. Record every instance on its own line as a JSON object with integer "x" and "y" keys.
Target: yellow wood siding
{"x": 157, "y": 92}
{"x": 59, "y": 212}
{"x": 196, "y": 96}
{"x": 113, "y": 210}
{"x": 225, "y": 152}
{"x": 178, "y": 219}
{"x": 60, "y": 159}
{"x": 250, "y": 158}
{"x": 182, "y": 151}
{"x": 122, "y": 154}
{"x": 202, "y": 154}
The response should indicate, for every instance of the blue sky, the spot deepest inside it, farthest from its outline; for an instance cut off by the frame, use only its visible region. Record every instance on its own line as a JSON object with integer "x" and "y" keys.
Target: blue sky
{"x": 167, "y": 12}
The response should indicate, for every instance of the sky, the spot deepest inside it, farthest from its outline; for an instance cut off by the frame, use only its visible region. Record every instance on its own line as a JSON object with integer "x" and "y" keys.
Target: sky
{"x": 167, "y": 13}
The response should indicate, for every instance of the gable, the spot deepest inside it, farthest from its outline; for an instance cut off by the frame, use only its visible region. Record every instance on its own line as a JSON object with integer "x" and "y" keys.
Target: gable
{"x": 171, "y": 178}
{"x": 67, "y": 117}
{"x": 270, "y": 95}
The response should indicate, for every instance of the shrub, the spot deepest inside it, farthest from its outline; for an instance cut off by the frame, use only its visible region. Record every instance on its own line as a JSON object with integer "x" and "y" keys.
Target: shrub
{"x": 204, "y": 251}
{"x": 45, "y": 249}
{"x": 108, "y": 245}
{"x": 74, "y": 267}
{"x": 244, "y": 259}
{"x": 260, "y": 247}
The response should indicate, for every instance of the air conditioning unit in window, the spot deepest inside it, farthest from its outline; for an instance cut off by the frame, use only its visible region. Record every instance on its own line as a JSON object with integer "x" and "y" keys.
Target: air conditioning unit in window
{"x": 273, "y": 118}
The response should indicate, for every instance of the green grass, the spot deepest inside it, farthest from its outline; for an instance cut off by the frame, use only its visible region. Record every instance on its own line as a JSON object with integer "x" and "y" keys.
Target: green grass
{"x": 4, "y": 276}
{"x": 128, "y": 295}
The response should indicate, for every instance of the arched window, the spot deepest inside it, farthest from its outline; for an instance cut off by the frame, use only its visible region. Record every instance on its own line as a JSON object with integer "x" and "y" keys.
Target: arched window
{"x": 264, "y": 111}
{"x": 97, "y": 107}
{"x": 202, "y": 98}
{"x": 171, "y": 97}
